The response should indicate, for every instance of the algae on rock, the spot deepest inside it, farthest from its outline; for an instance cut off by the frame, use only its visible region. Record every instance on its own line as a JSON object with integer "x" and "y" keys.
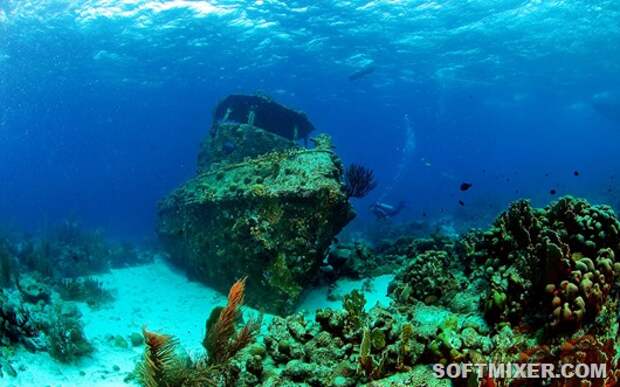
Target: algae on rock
{"x": 261, "y": 206}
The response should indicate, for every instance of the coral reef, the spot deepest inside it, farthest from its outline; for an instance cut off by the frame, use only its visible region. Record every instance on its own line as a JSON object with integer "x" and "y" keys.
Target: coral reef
{"x": 33, "y": 289}
{"x": 554, "y": 266}
{"x": 40, "y": 324}
{"x": 459, "y": 340}
{"x": 512, "y": 265}
{"x": 31, "y": 312}
{"x": 359, "y": 259}
{"x": 342, "y": 347}
{"x": 67, "y": 251}
{"x": 586, "y": 349}
{"x": 426, "y": 277}
{"x": 539, "y": 286}
{"x": 39, "y": 276}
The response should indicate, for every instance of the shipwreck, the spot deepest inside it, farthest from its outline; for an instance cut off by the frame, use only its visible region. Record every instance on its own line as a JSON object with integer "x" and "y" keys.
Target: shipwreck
{"x": 263, "y": 204}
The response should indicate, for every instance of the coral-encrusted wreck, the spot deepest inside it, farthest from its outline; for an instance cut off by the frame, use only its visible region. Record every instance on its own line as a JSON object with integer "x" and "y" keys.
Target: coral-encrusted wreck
{"x": 261, "y": 205}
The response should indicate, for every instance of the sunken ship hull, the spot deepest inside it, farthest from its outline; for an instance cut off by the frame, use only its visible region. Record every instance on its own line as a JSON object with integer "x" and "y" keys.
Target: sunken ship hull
{"x": 261, "y": 206}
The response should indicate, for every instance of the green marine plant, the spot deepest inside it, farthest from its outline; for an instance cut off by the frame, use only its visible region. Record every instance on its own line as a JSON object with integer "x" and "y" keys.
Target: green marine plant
{"x": 365, "y": 359}
{"x": 353, "y": 304}
{"x": 405, "y": 350}
{"x": 371, "y": 368}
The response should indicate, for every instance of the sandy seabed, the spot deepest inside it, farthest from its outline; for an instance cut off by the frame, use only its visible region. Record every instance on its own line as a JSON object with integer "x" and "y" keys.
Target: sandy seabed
{"x": 162, "y": 299}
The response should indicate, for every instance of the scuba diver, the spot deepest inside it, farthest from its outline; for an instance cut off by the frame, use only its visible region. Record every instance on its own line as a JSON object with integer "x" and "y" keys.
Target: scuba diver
{"x": 385, "y": 211}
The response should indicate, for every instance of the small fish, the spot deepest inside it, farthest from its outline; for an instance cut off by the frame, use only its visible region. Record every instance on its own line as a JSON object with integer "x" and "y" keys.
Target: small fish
{"x": 552, "y": 192}
{"x": 465, "y": 186}
{"x": 576, "y": 173}
{"x": 462, "y": 203}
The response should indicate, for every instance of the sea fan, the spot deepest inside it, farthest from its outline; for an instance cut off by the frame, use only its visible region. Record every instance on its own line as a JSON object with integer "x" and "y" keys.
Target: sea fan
{"x": 359, "y": 181}
{"x": 222, "y": 341}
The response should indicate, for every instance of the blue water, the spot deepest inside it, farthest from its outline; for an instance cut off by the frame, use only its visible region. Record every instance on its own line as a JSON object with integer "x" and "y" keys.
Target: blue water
{"x": 103, "y": 103}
